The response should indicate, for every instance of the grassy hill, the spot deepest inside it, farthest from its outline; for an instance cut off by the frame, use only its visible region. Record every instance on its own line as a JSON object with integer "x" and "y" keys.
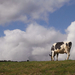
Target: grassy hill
{"x": 38, "y": 68}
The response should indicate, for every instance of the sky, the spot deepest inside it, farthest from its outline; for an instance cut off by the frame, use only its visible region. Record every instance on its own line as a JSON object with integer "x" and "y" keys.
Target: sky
{"x": 28, "y": 28}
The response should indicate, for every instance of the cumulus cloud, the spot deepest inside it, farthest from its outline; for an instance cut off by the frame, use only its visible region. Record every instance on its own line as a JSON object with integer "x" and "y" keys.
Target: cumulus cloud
{"x": 32, "y": 44}
{"x": 70, "y": 32}
{"x": 28, "y": 10}
{"x": 71, "y": 36}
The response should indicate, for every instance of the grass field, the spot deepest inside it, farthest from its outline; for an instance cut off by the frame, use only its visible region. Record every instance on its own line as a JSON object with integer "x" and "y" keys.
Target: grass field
{"x": 38, "y": 68}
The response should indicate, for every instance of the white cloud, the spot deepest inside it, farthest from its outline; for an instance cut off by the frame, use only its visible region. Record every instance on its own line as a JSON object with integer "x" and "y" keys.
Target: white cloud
{"x": 71, "y": 36}
{"x": 70, "y": 32}
{"x": 32, "y": 44}
{"x": 27, "y": 10}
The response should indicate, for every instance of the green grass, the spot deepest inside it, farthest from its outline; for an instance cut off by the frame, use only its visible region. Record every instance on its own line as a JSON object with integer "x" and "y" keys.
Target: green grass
{"x": 38, "y": 68}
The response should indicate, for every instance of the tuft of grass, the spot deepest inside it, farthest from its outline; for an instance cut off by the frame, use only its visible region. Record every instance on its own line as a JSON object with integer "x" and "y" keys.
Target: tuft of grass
{"x": 38, "y": 68}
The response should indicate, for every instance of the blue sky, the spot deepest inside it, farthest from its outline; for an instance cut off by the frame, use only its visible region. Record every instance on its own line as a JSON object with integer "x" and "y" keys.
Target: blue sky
{"x": 28, "y": 28}
{"x": 60, "y": 19}
{"x": 12, "y": 26}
